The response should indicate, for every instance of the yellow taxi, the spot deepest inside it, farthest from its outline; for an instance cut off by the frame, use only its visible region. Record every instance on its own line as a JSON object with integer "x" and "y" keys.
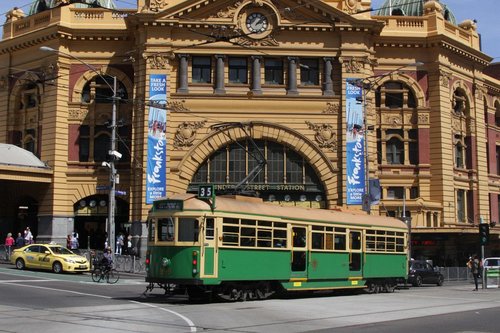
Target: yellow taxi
{"x": 49, "y": 256}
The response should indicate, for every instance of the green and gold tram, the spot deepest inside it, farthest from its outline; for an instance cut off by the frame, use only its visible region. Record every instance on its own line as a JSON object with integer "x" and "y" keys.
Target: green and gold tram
{"x": 242, "y": 248}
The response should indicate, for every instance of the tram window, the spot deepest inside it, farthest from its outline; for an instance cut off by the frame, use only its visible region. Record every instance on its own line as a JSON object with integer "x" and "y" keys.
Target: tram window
{"x": 230, "y": 235}
{"x": 264, "y": 238}
{"x": 299, "y": 237}
{"x": 231, "y": 220}
{"x": 400, "y": 245}
{"x": 151, "y": 231}
{"x": 166, "y": 231}
{"x": 317, "y": 241}
{"x": 209, "y": 229}
{"x": 340, "y": 241}
{"x": 279, "y": 225}
{"x": 265, "y": 224}
{"x": 329, "y": 241}
{"x": 188, "y": 230}
{"x": 279, "y": 238}
{"x": 370, "y": 243}
{"x": 355, "y": 240}
{"x": 247, "y": 236}
{"x": 248, "y": 222}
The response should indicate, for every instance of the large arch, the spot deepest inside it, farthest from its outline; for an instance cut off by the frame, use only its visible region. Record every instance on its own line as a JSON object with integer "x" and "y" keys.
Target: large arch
{"x": 407, "y": 80}
{"x": 262, "y": 130}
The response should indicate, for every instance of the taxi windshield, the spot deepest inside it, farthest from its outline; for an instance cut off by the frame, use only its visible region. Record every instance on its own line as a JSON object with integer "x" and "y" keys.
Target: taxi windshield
{"x": 60, "y": 250}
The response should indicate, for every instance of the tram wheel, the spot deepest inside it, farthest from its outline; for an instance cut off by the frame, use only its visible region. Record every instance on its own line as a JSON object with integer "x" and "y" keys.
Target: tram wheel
{"x": 373, "y": 288}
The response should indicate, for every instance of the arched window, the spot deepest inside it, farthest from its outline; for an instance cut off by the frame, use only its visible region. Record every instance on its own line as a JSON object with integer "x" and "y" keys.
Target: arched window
{"x": 459, "y": 152}
{"x": 102, "y": 144}
{"x": 394, "y": 94}
{"x": 99, "y": 90}
{"x": 285, "y": 173}
{"x": 497, "y": 113}
{"x": 460, "y": 103}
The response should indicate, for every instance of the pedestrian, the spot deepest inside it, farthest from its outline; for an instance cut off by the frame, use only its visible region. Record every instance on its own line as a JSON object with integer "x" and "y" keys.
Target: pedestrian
{"x": 19, "y": 240}
{"x": 119, "y": 244}
{"x": 28, "y": 236}
{"x": 9, "y": 243}
{"x": 68, "y": 242}
{"x": 474, "y": 265}
{"x": 73, "y": 242}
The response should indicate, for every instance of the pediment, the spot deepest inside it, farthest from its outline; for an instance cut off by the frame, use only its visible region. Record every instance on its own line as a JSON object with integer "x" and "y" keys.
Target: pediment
{"x": 299, "y": 14}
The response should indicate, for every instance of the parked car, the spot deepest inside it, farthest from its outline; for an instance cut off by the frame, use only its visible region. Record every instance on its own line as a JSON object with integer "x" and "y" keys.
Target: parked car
{"x": 422, "y": 272}
{"x": 48, "y": 256}
{"x": 491, "y": 263}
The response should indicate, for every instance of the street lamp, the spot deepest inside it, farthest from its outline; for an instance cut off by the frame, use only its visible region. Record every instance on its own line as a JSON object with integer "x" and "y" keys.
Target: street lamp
{"x": 367, "y": 84}
{"x": 113, "y": 154}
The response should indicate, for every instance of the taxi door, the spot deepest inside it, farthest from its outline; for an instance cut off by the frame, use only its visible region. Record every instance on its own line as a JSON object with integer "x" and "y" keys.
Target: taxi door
{"x": 44, "y": 258}
{"x": 31, "y": 256}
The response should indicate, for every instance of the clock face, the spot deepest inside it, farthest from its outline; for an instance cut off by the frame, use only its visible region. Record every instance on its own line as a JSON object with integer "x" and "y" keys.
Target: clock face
{"x": 256, "y": 22}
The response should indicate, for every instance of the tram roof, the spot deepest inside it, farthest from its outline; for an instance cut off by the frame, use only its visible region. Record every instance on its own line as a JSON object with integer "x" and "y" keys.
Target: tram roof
{"x": 255, "y": 206}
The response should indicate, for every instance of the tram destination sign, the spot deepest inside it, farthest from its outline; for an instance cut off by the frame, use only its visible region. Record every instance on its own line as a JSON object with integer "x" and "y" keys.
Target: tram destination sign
{"x": 170, "y": 205}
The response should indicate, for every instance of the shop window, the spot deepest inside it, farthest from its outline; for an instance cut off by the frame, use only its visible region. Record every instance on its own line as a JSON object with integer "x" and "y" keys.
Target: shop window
{"x": 238, "y": 70}
{"x": 309, "y": 72}
{"x": 273, "y": 71}
{"x": 202, "y": 69}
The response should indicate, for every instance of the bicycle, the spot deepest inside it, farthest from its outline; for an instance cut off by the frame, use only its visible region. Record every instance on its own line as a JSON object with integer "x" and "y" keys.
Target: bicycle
{"x": 105, "y": 272}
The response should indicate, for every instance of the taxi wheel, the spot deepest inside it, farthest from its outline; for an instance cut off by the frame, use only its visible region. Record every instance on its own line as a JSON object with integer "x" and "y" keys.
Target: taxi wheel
{"x": 20, "y": 264}
{"x": 57, "y": 267}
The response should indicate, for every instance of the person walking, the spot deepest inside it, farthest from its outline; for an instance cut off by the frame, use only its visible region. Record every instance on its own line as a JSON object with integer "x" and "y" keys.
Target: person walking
{"x": 19, "y": 240}
{"x": 474, "y": 265}
{"x": 9, "y": 243}
{"x": 28, "y": 236}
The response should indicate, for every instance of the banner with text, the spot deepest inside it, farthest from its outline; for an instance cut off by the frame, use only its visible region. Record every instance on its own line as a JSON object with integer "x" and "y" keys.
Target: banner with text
{"x": 157, "y": 145}
{"x": 355, "y": 156}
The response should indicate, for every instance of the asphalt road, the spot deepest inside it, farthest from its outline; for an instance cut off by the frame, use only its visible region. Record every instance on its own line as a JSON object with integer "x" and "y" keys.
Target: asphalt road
{"x": 35, "y": 301}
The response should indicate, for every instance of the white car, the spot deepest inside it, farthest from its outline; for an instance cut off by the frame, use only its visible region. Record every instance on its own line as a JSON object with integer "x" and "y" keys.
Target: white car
{"x": 492, "y": 272}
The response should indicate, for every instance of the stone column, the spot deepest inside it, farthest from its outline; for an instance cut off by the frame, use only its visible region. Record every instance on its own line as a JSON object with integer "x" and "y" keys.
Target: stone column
{"x": 256, "y": 85}
{"x": 292, "y": 76}
{"x": 327, "y": 80}
{"x": 219, "y": 76}
{"x": 183, "y": 74}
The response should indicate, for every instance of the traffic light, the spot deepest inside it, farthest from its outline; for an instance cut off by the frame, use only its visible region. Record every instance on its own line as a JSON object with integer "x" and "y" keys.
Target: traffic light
{"x": 484, "y": 233}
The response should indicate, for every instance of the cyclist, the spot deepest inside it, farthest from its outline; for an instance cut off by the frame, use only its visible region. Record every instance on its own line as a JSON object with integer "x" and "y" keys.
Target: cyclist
{"x": 107, "y": 260}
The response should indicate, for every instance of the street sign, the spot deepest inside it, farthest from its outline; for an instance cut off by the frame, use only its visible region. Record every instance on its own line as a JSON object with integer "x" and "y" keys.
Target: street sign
{"x": 102, "y": 187}
{"x": 121, "y": 192}
{"x": 206, "y": 192}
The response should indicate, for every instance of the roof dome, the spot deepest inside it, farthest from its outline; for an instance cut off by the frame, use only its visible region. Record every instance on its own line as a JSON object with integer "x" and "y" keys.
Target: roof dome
{"x": 41, "y": 5}
{"x": 411, "y": 8}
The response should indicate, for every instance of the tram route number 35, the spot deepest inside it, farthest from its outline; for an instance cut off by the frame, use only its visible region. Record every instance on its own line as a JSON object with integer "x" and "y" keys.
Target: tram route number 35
{"x": 206, "y": 192}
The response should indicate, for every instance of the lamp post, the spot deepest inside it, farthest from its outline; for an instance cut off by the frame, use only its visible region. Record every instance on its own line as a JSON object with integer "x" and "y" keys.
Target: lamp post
{"x": 367, "y": 84}
{"x": 113, "y": 154}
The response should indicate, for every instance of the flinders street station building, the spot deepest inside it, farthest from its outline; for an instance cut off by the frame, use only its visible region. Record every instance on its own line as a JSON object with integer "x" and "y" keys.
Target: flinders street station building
{"x": 325, "y": 104}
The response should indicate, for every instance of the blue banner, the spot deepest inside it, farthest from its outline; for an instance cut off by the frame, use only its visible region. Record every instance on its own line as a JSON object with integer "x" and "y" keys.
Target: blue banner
{"x": 355, "y": 143}
{"x": 156, "y": 171}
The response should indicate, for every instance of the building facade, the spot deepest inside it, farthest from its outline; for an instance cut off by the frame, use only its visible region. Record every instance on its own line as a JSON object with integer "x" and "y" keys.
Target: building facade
{"x": 251, "y": 96}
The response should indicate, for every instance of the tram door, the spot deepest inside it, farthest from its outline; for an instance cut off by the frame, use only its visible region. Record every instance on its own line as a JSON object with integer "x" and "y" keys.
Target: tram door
{"x": 355, "y": 253}
{"x": 209, "y": 253}
{"x": 299, "y": 252}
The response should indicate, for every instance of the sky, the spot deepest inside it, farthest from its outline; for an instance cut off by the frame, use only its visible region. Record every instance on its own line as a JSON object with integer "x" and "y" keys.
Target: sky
{"x": 484, "y": 11}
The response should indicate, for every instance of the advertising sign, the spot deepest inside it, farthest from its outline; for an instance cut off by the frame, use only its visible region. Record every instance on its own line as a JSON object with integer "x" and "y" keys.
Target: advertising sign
{"x": 355, "y": 143}
{"x": 157, "y": 146}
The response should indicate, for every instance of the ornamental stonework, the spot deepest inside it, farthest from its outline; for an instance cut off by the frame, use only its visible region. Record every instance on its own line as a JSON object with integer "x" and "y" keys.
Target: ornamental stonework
{"x": 350, "y": 6}
{"x": 393, "y": 120}
{"x": 325, "y": 135}
{"x": 352, "y": 65}
{"x": 228, "y": 12}
{"x": 155, "y": 5}
{"x": 77, "y": 114}
{"x": 158, "y": 61}
{"x": 445, "y": 78}
{"x": 423, "y": 119}
{"x": 332, "y": 108}
{"x": 186, "y": 134}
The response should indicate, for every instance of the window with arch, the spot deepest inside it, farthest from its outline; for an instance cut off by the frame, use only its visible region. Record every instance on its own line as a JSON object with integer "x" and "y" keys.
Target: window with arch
{"x": 232, "y": 163}
{"x": 94, "y": 132}
{"x": 395, "y": 94}
{"x": 497, "y": 113}
{"x": 460, "y": 103}
{"x": 27, "y": 115}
